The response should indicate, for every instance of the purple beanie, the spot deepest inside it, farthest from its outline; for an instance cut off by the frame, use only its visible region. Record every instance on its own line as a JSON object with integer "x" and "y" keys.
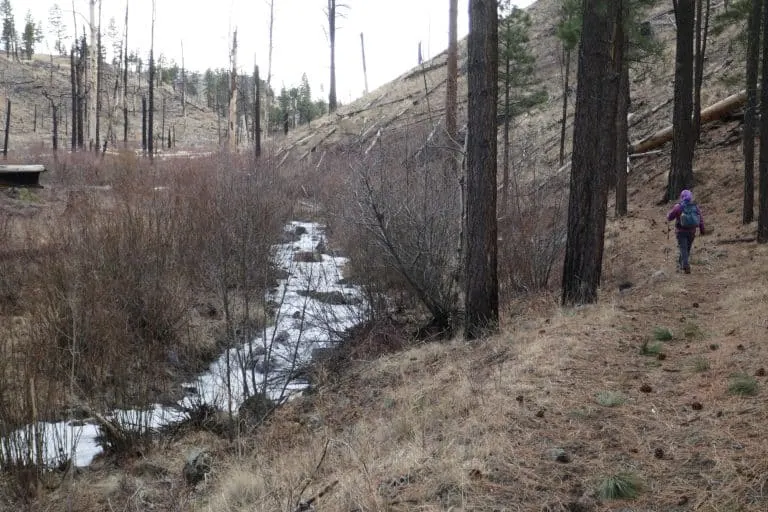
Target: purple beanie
{"x": 686, "y": 196}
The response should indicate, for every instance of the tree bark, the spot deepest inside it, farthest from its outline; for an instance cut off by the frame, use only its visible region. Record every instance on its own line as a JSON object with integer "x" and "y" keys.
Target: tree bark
{"x": 480, "y": 272}
{"x": 7, "y": 128}
{"x": 622, "y": 131}
{"x": 232, "y": 111}
{"x": 365, "y": 70}
{"x": 701, "y": 51}
{"x": 183, "y": 84}
{"x": 257, "y": 114}
{"x": 507, "y": 122}
{"x": 125, "y": 80}
{"x": 566, "y": 75}
{"x": 750, "y": 111}
{"x": 151, "y": 112}
{"x": 451, "y": 86}
{"x": 762, "y": 209}
{"x": 73, "y": 79}
{"x": 97, "y": 130}
{"x": 681, "y": 173}
{"x": 144, "y": 124}
{"x": 332, "y": 37}
{"x": 91, "y": 73}
{"x": 594, "y": 150}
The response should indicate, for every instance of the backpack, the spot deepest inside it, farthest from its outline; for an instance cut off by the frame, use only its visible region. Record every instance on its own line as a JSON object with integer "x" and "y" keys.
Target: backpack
{"x": 689, "y": 216}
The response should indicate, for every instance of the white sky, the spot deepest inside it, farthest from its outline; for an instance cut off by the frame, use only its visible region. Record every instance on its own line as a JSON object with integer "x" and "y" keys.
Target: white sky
{"x": 392, "y": 28}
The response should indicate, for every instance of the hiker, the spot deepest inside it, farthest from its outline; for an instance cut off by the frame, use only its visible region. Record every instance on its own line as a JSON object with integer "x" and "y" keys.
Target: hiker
{"x": 687, "y": 217}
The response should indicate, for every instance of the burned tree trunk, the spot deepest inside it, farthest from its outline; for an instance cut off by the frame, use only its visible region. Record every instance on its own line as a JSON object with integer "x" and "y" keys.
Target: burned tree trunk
{"x": 125, "y": 80}
{"x": 144, "y": 124}
{"x": 73, "y": 79}
{"x": 750, "y": 112}
{"x": 257, "y": 114}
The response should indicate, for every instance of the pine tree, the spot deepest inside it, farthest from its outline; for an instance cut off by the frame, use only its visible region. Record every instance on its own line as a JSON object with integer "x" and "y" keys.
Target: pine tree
{"x": 9, "y": 26}
{"x": 569, "y": 33}
{"x": 58, "y": 29}
{"x": 481, "y": 285}
{"x": 594, "y": 146}
{"x": 517, "y": 79}
{"x": 305, "y": 105}
{"x": 750, "y": 111}
{"x": 681, "y": 173}
{"x": 30, "y": 36}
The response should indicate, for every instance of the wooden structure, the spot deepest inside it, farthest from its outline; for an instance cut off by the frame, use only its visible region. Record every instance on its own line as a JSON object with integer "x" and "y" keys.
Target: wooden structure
{"x": 20, "y": 175}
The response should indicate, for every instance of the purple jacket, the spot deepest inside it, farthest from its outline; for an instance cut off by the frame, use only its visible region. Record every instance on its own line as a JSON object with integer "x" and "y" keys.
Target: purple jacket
{"x": 674, "y": 214}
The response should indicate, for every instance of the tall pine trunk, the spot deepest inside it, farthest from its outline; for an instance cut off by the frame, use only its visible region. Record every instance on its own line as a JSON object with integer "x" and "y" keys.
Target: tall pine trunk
{"x": 750, "y": 111}
{"x": 451, "y": 86}
{"x": 73, "y": 80}
{"x": 762, "y": 209}
{"x": 594, "y": 149}
{"x": 681, "y": 173}
{"x": 622, "y": 131}
{"x": 332, "y": 37}
{"x": 702, "y": 29}
{"x": 566, "y": 75}
{"x": 125, "y": 81}
{"x": 257, "y": 114}
{"x": 480, "y": 272}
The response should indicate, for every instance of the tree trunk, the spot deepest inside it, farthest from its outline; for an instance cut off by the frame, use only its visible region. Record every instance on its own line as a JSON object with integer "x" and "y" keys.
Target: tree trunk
{"x": 268, "y": 92}
{"x": 762, "y": 209}
{"x": 622, "y": 132}
{"x": 594, "y": 149}
{"x": 98, "y": 85}
{"x": 151, "y": 105}
{"x": 73, "y": 79}
{"x": 567, "y": 57}
{"x": 750, "y": 112}
{"x": 144, "y": 124}
{"x": 365, "y": 70}
{"x": 507, "y": 122}
{"x": 451, "y": 87}
{"x": 480, "y": 272}
{"x": 90, "y": 88}
{"x": 7, "y": 128}
{"x": 55, "y": 136}
{"x": 257, "y": 114}
{"x": 183, "y": 84}
{"x": 332, "y": 37}
{"x": 232, "y": 112}
{"x": 701, "y": 50}
{"x": 125, "y": 81}
{"x": 681, "y": 173}
{"x": 151, "y": 113}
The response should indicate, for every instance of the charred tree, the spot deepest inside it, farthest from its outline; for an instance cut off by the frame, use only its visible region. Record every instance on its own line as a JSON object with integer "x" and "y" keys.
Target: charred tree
{"x": 622, "y": 125}
{"x": 232, "y": 110}
{"x": 481, "y": 287}
{"x": 594, "y": 150}
{"x": 7, "y": 128}
{"x": 144, "y": 124}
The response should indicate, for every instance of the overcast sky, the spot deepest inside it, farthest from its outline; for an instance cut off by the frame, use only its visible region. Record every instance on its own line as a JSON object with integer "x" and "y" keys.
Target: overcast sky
{"x": 392, "y": 31}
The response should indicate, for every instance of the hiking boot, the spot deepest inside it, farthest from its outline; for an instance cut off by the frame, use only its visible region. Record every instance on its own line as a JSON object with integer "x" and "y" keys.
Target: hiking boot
{"x": 687, "y": 270}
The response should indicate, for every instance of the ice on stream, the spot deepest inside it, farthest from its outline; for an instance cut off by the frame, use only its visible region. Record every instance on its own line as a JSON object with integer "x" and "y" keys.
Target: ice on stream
{"x": 304, "y": 321}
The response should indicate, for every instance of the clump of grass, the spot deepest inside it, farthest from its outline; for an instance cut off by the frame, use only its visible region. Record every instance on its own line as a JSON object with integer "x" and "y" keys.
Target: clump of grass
{"x": 692, "y": 331}
{"x": 610, "y": 398}
{"x": 701, "y": 364}
{"x": 743, "y": 385}
{"x": 662, "y": 334}
{"x": 650, "y": 349}
{"x": 622, "y": 486}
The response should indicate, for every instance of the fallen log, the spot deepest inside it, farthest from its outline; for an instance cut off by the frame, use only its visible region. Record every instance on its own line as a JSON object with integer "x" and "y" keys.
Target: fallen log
{"x": 709, "y": 114}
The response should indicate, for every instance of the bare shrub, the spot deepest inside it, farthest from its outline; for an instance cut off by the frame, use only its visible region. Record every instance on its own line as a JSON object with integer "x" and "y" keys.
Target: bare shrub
{"x": 399, "y": 216}
{"x": 532, "y": 235}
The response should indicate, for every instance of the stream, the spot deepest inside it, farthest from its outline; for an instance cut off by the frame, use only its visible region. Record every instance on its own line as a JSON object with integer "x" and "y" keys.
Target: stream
{"x": 312, "y": 308}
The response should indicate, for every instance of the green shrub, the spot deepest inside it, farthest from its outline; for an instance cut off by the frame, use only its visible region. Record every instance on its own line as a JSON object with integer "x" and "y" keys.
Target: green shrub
{"x": 743, "y": 385}
{"x": 662, "y": 334}
{"x": 610, "y": 398}
{"x": 622, "y": 486}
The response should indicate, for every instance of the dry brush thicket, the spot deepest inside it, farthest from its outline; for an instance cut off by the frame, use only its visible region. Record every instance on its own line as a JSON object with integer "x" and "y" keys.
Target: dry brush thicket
{"x": 109, "y": 296}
